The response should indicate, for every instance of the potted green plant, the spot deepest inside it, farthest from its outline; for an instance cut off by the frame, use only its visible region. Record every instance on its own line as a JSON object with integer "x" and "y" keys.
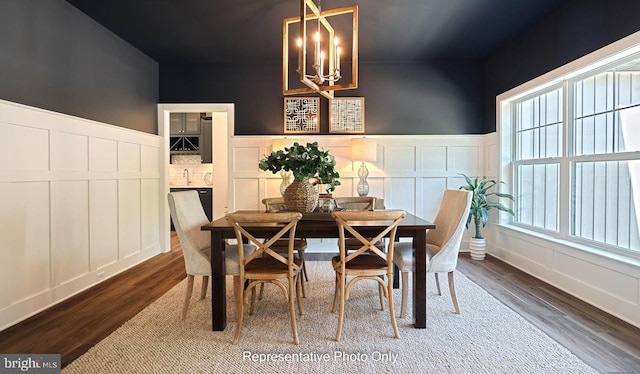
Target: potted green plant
{"x": 481, "y": 203}
{"x": 306, "y": 162}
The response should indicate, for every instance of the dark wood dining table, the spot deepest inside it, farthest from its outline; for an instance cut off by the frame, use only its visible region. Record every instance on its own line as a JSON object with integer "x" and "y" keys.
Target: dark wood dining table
{"x": 315, "y": 225}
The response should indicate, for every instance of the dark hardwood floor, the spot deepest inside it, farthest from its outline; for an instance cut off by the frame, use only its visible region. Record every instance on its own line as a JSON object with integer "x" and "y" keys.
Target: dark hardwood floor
{"x": 607, "y": 343}
{"x": 75, "y": 325}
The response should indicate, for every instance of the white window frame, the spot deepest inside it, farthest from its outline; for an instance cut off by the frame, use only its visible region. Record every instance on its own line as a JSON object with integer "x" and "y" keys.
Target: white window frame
{"x": 536, "y": 161}
{"x": 590, "y": 64}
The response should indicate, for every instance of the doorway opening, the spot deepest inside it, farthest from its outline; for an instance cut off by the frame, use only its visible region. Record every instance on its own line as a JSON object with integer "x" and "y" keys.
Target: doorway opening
{"x": 222, "y": 117}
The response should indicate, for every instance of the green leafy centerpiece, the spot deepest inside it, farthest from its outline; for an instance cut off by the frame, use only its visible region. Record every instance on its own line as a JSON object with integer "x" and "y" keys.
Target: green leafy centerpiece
{"x": 306, "y": 162}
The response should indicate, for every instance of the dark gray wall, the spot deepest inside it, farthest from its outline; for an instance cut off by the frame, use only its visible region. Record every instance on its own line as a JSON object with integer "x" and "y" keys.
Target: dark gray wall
{"x": 579, "y": 28}
{"x": 54, "y": 57}
{"x": 442, "y": 97}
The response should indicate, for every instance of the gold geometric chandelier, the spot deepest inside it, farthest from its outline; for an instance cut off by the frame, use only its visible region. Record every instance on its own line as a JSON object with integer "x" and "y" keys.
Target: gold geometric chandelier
{"x": 311, "y": 66}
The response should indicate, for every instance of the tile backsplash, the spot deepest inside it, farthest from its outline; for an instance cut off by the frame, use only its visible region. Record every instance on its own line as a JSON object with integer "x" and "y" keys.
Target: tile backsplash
{"x": 197, "y": 170}
{"x": 186, "y": 159}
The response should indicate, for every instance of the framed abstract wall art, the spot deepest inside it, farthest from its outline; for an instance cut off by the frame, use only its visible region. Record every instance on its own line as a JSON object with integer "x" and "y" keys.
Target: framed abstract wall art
{"x": 302, "y": 115}
{"x": 346, "y": 115}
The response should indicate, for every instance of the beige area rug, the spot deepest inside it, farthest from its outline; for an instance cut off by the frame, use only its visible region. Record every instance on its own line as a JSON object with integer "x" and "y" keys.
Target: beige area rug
{"x": 487, "y": 337}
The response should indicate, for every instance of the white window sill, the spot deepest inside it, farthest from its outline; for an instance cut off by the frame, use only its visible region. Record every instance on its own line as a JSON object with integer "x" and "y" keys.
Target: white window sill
{"x": 600, "y": 252}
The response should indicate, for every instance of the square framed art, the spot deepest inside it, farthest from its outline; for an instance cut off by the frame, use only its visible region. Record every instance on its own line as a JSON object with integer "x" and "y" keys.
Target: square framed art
{"x": 302, "y": 115}
{"x": 346, "y": 115}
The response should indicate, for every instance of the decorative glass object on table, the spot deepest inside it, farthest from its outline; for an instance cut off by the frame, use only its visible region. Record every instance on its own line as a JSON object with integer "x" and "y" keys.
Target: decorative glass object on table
{"x": 326, "y": 203}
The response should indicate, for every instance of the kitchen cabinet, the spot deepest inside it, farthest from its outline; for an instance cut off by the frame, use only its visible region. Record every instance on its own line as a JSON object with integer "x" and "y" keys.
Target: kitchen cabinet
{"x": 205, "y": 141}
{"x": 191, "y": 134}
{"x": 184, "y": 123}
{"x": 184, "y": 145}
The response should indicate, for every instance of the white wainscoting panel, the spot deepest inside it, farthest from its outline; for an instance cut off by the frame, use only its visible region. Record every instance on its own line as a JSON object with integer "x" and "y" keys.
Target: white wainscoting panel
{"x": 342, "y": 154}
{"x": 350, "y": 184}
{"x": 493, "y": 161}
{"x": 103, "y": 218}
{"x": 129, "y": 217}
{"x": 607, "y": 281}
{"x": 401, "y": 194}
{"x": 434, "y": 158}
{"x": 580, "y": 269}
{"x": 128, "y": 157}
{"x": 149, "y": 214}
{"x": 272, "y": 188}
{"x": 400, "y": 158}
{"x": 69, "y": 152}
{"x": 149, "y": 159}
{"x": 103, "y": 155}
{"x": 247, "y": 194}
{"x": 454, "y": 183}
{"x": 25, "y": 267}
{"x": 410, "y": 172}
{"x": 12, "y": 153}
{"x": 465, "y": 159}
{"x": 376, "y": 185}
{"x": 242, "y": 157}
{"x": 602, "y": 281}
{"x": 80, "y": 202}
{"x": 429, "y": 196}
{"x": 70, "y": 230}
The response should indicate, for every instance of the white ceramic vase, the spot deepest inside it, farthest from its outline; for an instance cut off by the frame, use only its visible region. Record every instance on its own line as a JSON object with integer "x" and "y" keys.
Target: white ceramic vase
{"x": 478, "y": 248}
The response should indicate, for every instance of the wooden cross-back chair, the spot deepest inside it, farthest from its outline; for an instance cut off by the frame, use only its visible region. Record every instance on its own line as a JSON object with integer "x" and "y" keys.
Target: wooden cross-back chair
{"x": 362, "y": 203}
{"x": 368, "y": 261}
{"x": 276, "y": 204}
{"x": 356, "y": 202}
{"x": 265, "y": 265}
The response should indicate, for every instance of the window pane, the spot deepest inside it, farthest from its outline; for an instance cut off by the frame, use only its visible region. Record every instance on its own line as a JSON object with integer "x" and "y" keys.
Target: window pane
{"x": 552, "y": 141}
{"x": 628, "y": 83}
{"x": 597, "y": 102}
{"x": 629, "y": 133}
{"x": 538, "y": 122}
{"x": 537, "y": 195}
{"x": 604, "y": 208}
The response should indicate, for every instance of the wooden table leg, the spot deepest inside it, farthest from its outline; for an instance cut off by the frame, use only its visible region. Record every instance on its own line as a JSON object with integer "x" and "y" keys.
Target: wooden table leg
{"x": 396, "y": 277}
{"x": 396, "y": 270}
{"x": 218, "y": 283}
{"x": 420, "y": 279}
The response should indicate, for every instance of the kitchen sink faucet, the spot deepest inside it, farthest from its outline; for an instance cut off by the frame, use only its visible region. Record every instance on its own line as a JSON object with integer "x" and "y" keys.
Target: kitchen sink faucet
{"x": 185, "y": 174}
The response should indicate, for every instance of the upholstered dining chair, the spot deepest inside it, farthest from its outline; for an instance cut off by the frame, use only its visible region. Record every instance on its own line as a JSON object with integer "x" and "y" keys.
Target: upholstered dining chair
{"x": 368, "y": 261}
{"x": 265, "y": 265}
{"x": 443, "y": 245}
{"x": 188, "y": 216}
{"x": 275, "y": 204}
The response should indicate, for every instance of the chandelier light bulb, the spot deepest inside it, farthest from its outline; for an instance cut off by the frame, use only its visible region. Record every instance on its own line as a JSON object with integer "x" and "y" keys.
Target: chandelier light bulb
{"x": 317, "y": 50}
